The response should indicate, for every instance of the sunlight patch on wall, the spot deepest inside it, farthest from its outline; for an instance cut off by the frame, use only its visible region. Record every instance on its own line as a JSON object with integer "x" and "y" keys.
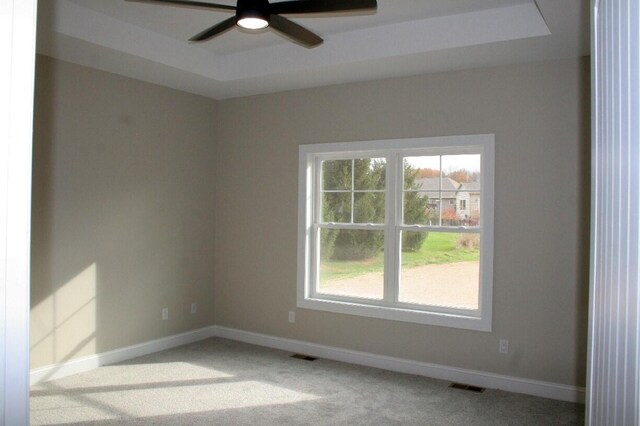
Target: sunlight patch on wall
{"x": 67, "y": 319}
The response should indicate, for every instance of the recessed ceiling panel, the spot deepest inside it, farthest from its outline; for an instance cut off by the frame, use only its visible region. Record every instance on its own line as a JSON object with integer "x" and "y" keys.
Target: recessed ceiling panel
{"x": 181, "y": 22}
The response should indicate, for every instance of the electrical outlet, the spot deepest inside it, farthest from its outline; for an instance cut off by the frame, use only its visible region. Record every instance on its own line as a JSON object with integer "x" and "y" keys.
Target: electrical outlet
{"x": 165, "y": 314}
{"x": 504, "y": 346}
{"x": 194, "y": 308}
{"x": 292, "y": 316}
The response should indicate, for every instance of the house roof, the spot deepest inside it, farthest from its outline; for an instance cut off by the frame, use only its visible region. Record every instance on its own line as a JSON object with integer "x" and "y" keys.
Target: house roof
{"x": 433, "y": 184}
{"x": 470, "y": 186}
{"x": 431, "y": 187}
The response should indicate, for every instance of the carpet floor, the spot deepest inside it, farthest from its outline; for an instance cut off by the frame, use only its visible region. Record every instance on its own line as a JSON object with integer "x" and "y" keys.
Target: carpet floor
{"x": 222, "y": 382}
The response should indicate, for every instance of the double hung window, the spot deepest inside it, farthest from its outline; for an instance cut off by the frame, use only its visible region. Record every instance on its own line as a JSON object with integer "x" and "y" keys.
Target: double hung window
{"x": 384, "y": 229}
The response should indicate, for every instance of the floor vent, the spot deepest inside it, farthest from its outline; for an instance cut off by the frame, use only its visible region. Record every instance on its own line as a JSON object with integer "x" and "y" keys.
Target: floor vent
{"x": 303, "y": 357}
{"x": 470, "y": 388}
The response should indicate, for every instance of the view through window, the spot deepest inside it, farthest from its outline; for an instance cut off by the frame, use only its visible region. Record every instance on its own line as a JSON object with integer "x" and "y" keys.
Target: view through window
{"x": 400, "y": 229}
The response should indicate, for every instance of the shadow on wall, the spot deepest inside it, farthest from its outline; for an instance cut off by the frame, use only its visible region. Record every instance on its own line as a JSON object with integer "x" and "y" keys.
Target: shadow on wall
{"x": 584, "y": 219}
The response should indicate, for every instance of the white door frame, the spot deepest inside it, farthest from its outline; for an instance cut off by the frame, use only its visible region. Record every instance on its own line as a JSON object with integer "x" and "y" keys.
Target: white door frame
{"x": 17, "y": 42}
{"x": 613, "y": 376}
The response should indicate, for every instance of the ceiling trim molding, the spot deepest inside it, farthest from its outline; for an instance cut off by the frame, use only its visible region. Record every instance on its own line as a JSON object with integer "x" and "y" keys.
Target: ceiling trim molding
{"x": 407, "y": 38}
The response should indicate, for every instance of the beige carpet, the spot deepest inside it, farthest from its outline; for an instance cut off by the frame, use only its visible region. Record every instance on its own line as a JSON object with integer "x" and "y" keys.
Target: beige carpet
{"x": 221, "y": 382}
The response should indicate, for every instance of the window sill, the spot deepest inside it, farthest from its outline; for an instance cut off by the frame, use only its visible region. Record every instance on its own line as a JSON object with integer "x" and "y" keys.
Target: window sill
{"x": 398, "y": 314}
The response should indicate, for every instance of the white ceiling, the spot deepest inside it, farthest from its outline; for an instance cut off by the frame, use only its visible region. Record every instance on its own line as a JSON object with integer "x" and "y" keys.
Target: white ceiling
{"x": 404, "y": 37}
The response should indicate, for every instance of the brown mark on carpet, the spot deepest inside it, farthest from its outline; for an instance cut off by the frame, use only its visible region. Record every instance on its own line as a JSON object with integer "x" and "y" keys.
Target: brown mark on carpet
{"x": 470, "y": 388}
{"x": 303, "y": 357}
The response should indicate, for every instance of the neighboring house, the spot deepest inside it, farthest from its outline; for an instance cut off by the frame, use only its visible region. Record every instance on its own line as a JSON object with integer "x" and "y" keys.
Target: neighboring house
{"x": 462, "y": 198}
{"x": 430, "y": 187}
{"x": 468, "y": 202}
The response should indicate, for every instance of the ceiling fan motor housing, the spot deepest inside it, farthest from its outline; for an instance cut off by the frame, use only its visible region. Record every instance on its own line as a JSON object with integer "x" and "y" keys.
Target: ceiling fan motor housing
{"x": 257, "y": 9}
{"x": 255, "y": 15}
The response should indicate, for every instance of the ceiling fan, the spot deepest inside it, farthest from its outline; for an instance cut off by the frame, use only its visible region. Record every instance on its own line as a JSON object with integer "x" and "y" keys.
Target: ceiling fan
{"x": 259, "y": 14}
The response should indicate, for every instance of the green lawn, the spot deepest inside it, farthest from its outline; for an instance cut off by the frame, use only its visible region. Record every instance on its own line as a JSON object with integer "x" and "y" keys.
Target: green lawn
{"x": 437, "y": 248}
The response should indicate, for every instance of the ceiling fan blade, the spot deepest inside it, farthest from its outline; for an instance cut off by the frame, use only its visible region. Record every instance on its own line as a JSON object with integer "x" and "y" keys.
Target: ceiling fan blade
{"x": 319, "y": 6}
{"x": 189, "y": 3}
{"x": 215, "y": 30}
{"x": 294, "y": 31}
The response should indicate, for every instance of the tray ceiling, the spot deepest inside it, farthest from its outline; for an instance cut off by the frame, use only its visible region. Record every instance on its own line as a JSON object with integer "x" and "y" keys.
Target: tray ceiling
{"x": 405, "y": 37}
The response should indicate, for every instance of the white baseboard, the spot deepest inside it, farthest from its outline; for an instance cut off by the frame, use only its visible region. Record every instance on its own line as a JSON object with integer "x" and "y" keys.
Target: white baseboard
{"x": 57, "y": 371}
{"x": 442, "y": 372}
{"x": 436, "y": 371}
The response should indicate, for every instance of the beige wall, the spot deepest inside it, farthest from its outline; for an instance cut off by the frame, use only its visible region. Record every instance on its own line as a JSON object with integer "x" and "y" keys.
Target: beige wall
{"x": 130, "y": 179}
{"x": 122, "y": 212}
{"x": 540, "y": 116}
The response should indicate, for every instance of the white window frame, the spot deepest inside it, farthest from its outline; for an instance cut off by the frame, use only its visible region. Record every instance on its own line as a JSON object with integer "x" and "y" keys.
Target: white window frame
{"x": 390, "y": 308}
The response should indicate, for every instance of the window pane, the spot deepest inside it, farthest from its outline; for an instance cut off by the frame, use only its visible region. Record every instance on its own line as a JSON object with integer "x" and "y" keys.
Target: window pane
{"x": 351, "y": 263}
{"x": 468, "y": 208}
{"x": 450, "y": 215}
{"x": 336, "y": 207}
{"x": 419, "y": 208}
{"x": 370, "y": 174}
{"x": 462, "y": 168}
{"x": 440, "y": 269}
{"x": 465, "y": 171}
{"x": 422, "y": 172}
{"x": 369, "y": 207}
{"x": 336, "y": 174}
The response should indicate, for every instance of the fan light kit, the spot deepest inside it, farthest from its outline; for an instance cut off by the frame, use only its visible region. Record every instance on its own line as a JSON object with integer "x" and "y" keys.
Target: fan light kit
{"x": 256, "y": 15}
{"x": 253, "y": 23}
{"x": 252, "y": 14}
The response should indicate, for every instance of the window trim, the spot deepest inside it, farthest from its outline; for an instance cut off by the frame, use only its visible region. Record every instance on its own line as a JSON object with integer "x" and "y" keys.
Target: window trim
{"x": 480, "y": 319}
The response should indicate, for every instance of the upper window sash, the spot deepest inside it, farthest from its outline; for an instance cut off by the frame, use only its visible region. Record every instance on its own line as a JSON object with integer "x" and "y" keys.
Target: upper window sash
{"x": 394, "y": 188}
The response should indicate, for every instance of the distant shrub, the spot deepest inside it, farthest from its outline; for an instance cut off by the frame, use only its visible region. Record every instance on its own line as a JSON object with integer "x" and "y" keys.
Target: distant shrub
{"x": 468, "y": 241}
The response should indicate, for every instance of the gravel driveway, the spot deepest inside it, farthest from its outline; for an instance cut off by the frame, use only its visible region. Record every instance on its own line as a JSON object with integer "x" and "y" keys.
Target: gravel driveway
{"x": 447, "y": 284}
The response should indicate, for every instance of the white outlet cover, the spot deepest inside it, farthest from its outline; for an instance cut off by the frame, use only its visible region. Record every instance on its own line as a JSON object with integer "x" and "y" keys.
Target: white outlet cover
{"x": 292, "y": 316}
{"x": 504, "y": 346}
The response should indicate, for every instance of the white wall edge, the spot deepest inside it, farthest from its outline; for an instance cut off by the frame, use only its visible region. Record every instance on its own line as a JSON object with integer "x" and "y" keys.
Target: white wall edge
{"x": 79, "y": 365}
{"x": 400, "y": 365}
{"x": 436, "y": 371}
